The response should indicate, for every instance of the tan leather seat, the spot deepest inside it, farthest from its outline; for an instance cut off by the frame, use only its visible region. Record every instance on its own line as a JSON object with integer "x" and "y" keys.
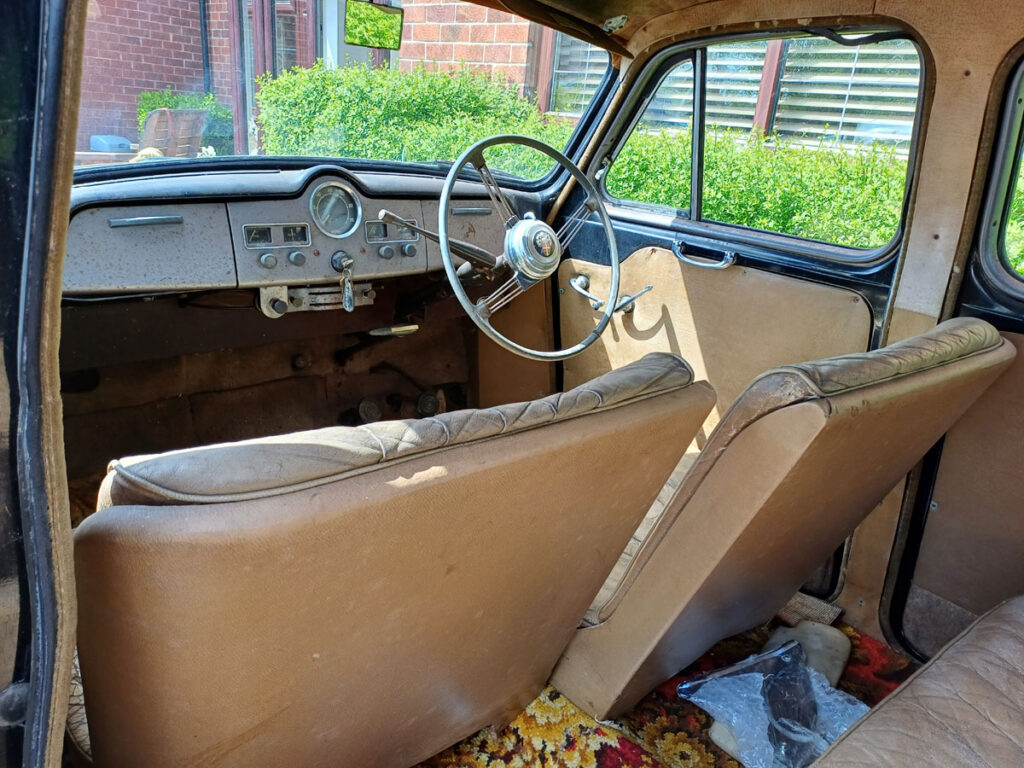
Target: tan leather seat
{"x": 800, "y": 458}
{"x": 965, "y": 708}
{"x": 362, "y": 596}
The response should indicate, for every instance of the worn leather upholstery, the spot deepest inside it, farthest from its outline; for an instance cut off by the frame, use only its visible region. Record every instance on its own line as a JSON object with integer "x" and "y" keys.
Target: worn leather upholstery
{"x": 965, "y": 708}
{"x": 304, "y": 460}
{"x": 798, "y": 460}
{"x": 362, "y": 596}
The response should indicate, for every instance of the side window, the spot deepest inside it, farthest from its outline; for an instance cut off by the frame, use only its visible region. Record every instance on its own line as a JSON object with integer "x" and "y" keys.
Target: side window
{"x": 1001, "y": 231}
{"x": 804, "y": 136}
{"x": 1013, "y": 235}
{"x": 654, "y": 164}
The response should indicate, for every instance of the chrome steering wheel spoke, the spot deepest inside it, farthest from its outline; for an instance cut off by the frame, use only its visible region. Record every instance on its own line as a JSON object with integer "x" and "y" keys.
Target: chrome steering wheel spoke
{"x": 574, "y": 223}
{"x": 505, "y": 210}
{"x": 533, "y": 249}
{"x": 501, "y": 297}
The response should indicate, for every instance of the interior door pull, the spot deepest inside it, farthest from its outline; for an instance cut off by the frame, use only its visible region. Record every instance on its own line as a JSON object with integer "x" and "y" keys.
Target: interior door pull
{"x": 727, "y": 260}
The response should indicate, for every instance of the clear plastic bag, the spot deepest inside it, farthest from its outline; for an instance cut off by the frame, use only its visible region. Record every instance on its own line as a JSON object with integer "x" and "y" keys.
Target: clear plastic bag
{"x": 782, "y": 713}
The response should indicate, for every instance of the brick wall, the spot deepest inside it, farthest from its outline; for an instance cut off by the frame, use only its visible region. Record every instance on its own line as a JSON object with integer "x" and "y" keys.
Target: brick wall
{"x": 133, "y": 46}
{"x": 147, "y": 45}
{"x": 441, "y": 34}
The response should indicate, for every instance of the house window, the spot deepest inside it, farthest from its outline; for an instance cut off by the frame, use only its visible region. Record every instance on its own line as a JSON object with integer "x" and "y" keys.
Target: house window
{"x": 806, "y": 136}
{"x": 576, "y": 72}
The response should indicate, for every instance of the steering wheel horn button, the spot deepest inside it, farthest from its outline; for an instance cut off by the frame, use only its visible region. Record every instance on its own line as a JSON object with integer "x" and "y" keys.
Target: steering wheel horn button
{"x": 532, "y": 249}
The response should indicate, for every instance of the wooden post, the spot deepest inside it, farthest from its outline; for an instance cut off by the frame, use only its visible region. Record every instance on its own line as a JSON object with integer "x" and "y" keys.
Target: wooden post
{"x": 259, "y": 48}
{"x": 768, "y": 93}
{"x": 239, "y": 112}
{"x": 308, "y": 56}
{"x": 544, "y": 66}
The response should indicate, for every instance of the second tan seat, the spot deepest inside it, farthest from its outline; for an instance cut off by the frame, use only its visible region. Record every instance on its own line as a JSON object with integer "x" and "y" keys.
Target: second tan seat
{"x": 794, "y": 466}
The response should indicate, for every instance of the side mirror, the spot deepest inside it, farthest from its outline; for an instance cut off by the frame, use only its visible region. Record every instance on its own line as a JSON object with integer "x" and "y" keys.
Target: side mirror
{"x": 373, "y": 26}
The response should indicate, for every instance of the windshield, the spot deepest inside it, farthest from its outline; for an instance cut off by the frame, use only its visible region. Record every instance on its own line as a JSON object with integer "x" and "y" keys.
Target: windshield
{"x": 210, "y": 78}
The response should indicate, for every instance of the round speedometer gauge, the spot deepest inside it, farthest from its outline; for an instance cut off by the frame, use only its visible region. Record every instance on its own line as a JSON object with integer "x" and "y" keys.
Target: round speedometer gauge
{"x": 335, "y": 209}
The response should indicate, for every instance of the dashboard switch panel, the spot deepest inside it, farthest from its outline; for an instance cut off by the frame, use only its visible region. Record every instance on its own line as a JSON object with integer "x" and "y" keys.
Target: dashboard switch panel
{"x": 327, "y": 223}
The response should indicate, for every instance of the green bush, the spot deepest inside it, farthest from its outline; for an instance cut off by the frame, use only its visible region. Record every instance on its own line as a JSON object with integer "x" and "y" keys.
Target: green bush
{"x": 370, "y": 26}
{"x": 1015, "y": 227}
{"x": 219, "y": 132}
{"x": 361, "y": 112}
{"x": 843, "y": 196}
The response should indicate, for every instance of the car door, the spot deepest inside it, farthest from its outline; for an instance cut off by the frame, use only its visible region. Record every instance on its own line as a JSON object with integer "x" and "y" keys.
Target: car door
{"x": 758, "y": 186}
{"x": 961, "y": 556}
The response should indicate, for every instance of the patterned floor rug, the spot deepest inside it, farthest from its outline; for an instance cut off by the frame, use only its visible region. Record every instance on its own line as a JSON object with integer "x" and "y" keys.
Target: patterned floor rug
{"x": 662, "y": 731}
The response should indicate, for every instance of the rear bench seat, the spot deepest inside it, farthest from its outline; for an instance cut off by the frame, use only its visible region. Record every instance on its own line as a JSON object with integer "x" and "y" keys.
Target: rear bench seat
{"x": 964, "y": 708}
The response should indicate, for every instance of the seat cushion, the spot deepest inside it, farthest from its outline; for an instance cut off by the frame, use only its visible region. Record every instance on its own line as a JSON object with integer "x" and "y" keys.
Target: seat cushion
{"x": 964, "y": 708}
{"x": 301, "y": 460}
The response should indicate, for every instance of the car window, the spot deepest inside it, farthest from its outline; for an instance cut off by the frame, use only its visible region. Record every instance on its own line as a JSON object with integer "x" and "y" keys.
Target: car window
{"x": 198, "y": 80}
{"x": 1013, "y": 235}
{"x": 654, "y": 164}
{"x": 803, "y": 136}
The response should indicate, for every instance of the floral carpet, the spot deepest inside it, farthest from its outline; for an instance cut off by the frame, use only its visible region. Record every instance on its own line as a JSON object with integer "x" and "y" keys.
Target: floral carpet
{"x": 662, "y": 731}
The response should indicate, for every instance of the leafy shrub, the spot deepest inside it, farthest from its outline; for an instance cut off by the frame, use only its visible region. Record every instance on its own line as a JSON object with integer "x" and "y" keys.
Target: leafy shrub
{"x": 1015, "y": 227}
{"x": 368, "y": 25}
{"x": 843, "y": 196}
{"x": 361, "y": 112}
{"x": 219, "y": 132}
{"x": 849, "y": 197}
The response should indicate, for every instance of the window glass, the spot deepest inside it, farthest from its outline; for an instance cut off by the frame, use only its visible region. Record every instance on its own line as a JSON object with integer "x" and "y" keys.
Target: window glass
{"x": 654, "y": 164}
{"x": 1013, "y": 239}
{"x": 803, "y": 136}
{"x": 237, "y": 77}
{"x": 578, "y": 70}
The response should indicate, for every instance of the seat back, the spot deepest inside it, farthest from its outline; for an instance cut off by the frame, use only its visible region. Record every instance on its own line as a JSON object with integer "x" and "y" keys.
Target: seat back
{"x": 175, "y": 132}
{"x": 362, "y": 596}
{"x": 795, "y": 465}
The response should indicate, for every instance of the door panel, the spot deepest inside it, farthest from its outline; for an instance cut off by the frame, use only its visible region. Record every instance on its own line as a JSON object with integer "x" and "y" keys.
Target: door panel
{"x": 730, "y": 324}
{"x": 970, "y": 557}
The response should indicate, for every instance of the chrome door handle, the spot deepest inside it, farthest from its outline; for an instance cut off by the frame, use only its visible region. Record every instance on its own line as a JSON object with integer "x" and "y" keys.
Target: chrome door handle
{"x": 581, "y": 284}
{"x": 727, "y": 260}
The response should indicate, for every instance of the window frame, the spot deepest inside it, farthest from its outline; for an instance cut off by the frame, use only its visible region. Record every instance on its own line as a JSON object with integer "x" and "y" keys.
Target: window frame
{"x": 781, "y": 245}
{"x": 1008, "y": 148}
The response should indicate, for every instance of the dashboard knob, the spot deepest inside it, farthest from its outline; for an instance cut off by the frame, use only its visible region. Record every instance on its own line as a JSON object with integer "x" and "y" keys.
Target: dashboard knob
{"x": 298, "y": 258}
{"x": 268, "y": 261}
{"x": 340, "y": 261}
{"x": 409, "y": 250}
{"x": 386, "y": 251}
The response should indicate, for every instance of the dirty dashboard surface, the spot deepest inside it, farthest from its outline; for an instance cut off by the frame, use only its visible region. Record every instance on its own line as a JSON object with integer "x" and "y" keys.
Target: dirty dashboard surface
{"x": 203, "y": 308}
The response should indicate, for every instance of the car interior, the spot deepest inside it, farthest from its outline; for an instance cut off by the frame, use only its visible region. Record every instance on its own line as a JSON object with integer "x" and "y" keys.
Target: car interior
{"x": 364, "y": 454}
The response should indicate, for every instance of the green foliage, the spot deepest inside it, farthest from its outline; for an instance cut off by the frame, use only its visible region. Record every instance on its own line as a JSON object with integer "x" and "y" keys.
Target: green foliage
{"x": 361, "y": 112}
{"x": 219, "y": 132}
{"x": 842, "y": 196}
{"x": 1015, "y": 227}
{"x": 371, "y": 26}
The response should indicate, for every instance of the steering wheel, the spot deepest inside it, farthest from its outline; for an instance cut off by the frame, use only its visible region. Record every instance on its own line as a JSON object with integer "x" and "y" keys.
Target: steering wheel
{"x": 533, "y": 249}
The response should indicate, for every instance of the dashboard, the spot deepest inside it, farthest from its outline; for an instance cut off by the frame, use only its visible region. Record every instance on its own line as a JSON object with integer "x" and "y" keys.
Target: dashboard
{"x": 296, "y": 236}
